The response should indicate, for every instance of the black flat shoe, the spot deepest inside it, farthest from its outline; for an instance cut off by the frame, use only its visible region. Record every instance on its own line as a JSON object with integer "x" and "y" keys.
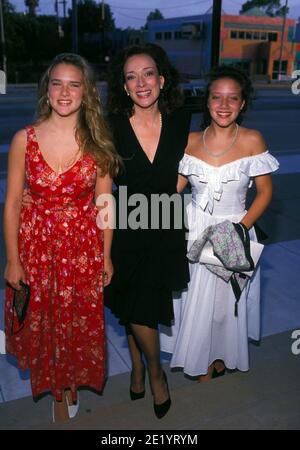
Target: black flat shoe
{"x": 136, "y": 395}
{"x": 217, "y": 374}
{"x": 162, "y": 409}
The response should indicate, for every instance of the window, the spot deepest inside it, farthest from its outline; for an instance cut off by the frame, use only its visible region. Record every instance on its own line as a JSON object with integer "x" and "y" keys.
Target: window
{"x": 248, "y": 35}
{"x": 186, "y": 34}
{"x": 244, "y": 65}
{"x": 241, "y": 35}
{"x": 177, "y": 35}
{"x": 233, "y": 34}
{"x": 167, "y": 35}
{"x": 275, "y": 74}
{"x": 263, "y": 36}
{"x": 256, "y": 35}
{"x": 158, "y": 36}
{"x": 272, "y": 37}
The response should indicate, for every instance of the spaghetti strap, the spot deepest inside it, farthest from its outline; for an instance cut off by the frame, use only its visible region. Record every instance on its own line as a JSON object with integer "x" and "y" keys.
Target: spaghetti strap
{"x": 30, "y": 133}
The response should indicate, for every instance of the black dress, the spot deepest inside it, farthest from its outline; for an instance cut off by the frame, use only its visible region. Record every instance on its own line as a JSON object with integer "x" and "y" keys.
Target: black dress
{"x": 148, "y": 263}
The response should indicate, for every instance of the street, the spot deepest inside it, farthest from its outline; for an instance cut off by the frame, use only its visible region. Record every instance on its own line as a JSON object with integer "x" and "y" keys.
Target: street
{"x": 275, "y": 112}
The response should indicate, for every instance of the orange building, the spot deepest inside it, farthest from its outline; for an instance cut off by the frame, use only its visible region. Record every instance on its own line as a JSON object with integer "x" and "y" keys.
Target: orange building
{"x": 253, "y": 42}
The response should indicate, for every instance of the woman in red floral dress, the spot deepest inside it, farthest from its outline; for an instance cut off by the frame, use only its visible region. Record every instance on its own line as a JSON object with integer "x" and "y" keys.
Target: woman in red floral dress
{"x": 66, "y": 160}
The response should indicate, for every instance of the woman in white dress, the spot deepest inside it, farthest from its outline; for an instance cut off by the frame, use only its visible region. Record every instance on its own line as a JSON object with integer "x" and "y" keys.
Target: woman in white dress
{"x": 220, "y": 164}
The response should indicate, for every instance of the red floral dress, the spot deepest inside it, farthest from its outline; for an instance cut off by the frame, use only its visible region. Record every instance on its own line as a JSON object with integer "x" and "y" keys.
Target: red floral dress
{"x": 61, "y": 249}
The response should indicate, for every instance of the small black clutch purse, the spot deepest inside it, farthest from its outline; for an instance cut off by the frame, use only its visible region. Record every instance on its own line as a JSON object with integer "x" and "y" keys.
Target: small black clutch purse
{"x": 20, "y": 304}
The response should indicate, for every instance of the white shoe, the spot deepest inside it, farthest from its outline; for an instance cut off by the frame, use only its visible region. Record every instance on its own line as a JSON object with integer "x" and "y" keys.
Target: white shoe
{"x": 73, "y": 409}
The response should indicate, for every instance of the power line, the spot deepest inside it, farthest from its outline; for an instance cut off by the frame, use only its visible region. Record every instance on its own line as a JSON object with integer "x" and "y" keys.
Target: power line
{"x": 130, "y": 17}
{"x": 160, "y": 7}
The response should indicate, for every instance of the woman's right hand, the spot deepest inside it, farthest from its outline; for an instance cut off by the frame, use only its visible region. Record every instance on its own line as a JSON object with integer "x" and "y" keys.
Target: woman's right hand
{"x": 26, "y": 198}
{"x": 13, "y": 273}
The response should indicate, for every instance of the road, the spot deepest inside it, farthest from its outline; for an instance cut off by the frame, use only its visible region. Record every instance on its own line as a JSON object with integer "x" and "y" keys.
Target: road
{"x": 275, "y": 112}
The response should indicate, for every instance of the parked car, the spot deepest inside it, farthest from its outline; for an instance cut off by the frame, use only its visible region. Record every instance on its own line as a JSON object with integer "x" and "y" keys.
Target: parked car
{"x": 193, "y": 95}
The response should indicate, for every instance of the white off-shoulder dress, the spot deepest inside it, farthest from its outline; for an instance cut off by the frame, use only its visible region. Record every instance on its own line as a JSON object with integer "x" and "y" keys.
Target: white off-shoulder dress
{"x": 205, "y": 327}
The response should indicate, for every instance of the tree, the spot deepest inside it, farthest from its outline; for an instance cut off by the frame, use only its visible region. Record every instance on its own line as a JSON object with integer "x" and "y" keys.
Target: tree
{"x": 90, "y": 17}
{"x": 93, "y": 32}
{"x": 32, "y": 5}
{"x": 272, "y": 8}
{"x": 7, "y": 7}
{"x": 155, "y": 15}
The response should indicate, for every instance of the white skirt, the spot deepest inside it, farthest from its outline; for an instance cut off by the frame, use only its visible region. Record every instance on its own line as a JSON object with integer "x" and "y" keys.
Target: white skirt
{"x": 205, "y": 327}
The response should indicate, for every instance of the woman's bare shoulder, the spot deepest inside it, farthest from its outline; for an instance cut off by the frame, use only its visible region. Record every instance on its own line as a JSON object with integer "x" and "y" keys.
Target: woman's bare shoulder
{"x": 194, "y": 143}
{"x": 19, "y": 139}
{"x": 253, "y": 141}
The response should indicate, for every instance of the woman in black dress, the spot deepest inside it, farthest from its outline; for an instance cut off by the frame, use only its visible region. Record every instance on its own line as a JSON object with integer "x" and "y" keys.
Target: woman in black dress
{"x": 150, "y": 134}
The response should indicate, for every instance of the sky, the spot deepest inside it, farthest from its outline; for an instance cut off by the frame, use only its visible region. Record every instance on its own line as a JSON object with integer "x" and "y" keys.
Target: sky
{"x": 133, "y": 13}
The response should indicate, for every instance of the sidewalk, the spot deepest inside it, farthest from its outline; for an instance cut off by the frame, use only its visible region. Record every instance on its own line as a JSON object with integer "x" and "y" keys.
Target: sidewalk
{"x": 267, "y": 397}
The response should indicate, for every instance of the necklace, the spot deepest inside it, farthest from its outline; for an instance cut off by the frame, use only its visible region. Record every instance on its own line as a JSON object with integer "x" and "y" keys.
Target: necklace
{"x": 216, "y": 155}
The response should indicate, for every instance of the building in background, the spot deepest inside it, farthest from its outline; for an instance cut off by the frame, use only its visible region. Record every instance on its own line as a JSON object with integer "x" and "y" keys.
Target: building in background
{"x": 251, "y": 41}
{"x": 297, "y": 40}
{"x": 187, "y": 40}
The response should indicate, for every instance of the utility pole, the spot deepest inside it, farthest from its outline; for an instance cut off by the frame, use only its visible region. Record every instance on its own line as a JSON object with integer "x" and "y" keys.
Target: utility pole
{"x": 282, "y": 40}
{"x": 215, "y": 34}
{"x": 102, "y": 28}
{"x": 103, "y": 11}
{"x": 57, "y": 14}
{"x": 3, "y": 46}
{"x": 64, "y": 2}
{"x": 74, "y": 27}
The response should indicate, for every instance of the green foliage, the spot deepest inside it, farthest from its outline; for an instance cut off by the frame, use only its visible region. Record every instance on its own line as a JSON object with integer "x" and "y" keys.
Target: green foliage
{"x": 7, "y": 7}
{"x": 32, "y": 5}
{"x": 155, "y": 15}
{"x": 93, "y": 40}
{"x": 272, "y": 8}
{"x": 90, "y": 17}
{"x": 32, "y": 41}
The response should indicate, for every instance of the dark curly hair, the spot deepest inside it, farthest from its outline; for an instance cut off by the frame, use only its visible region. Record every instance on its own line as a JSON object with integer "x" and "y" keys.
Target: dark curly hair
{"x": 236, "y": 74}
{"x": 170, "y": 96}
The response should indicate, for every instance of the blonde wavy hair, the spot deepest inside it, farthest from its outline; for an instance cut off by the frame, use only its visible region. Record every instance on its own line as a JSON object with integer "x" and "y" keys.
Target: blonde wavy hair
{"x": 92, "y": 133}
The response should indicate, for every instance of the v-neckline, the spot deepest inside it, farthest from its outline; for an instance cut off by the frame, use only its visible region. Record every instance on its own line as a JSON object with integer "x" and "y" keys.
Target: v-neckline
{"x": 45, "y": 161}
{"x": 140, "y": 145}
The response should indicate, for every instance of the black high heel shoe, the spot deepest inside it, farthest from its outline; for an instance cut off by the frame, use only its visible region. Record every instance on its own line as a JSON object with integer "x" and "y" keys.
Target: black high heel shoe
{"x": 137, "y": 395}
{"x": 162, "y": 409}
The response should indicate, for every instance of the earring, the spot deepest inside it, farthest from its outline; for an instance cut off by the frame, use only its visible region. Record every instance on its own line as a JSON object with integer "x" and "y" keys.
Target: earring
{"x": 48, "y": 103}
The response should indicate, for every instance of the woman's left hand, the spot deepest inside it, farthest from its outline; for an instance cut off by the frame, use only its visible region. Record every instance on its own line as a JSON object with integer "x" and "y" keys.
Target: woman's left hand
{"x": 108, "y": 271}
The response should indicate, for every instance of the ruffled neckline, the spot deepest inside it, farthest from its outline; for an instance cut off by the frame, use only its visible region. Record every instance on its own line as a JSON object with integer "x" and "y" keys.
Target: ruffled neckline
{"x": 216, "y": 176}
{"x": 238, "y": 160}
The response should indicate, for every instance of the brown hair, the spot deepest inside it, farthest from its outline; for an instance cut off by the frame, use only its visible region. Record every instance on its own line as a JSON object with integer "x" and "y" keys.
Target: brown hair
{"x": 92, "y": 133}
